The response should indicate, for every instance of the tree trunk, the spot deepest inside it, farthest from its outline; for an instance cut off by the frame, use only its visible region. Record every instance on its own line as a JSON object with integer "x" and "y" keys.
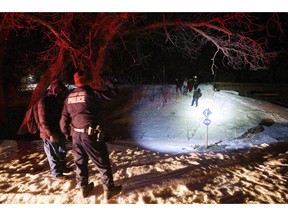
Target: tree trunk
{"x": 3, "y": 92}
{"x": 51, "y": 74}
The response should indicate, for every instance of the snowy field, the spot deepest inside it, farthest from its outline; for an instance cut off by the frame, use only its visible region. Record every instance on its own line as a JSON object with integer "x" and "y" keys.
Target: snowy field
{"x": 168, "y": 159}
{"x": 166, "y": 122}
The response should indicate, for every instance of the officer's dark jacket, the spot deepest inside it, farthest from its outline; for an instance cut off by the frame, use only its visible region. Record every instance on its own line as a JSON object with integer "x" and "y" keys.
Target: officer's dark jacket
{"x": 83, "y": 107}
{"x": 49, "y": 112}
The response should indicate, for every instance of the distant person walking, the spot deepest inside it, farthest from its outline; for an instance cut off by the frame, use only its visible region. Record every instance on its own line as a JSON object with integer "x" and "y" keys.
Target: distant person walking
{"x": 178, "y": 85}
{"x": 196, "y": 82}
{"x": 190, "y": 85}
{"x": 185, "y": 87}
{"x": 197, "y": 94}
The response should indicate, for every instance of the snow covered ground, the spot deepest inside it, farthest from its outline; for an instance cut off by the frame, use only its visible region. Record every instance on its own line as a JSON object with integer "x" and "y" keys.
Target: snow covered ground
{"x": 167, "y": 123}
{"x": 166, "y": 159}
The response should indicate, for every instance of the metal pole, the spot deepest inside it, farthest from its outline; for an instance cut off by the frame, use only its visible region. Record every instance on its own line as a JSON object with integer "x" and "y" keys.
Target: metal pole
{"x": 206, "y": 138}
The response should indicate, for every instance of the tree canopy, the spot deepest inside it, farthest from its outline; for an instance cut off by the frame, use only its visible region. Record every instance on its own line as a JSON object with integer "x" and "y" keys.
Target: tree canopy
{"x": 125, "y": 43}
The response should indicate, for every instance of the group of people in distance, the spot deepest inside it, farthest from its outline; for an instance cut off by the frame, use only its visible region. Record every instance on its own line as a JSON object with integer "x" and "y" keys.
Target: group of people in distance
{"x": 187, "y": 86}
{"x": 76, "y": 117}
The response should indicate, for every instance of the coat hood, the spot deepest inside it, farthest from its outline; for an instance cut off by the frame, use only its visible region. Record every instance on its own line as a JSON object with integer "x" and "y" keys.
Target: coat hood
{"x": 56, "y": 84}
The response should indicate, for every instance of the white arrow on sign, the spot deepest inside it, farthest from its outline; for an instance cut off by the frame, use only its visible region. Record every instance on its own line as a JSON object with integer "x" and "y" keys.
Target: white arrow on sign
{"x": 207, "y": 112}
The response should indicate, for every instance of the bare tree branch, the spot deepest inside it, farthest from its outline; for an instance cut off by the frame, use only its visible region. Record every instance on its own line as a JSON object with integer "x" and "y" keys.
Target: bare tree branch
{"x": 240, "y": 39}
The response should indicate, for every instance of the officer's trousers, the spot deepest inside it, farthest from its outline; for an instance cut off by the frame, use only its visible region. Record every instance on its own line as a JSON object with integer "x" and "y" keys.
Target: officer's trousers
{"x": 84, "y": 147}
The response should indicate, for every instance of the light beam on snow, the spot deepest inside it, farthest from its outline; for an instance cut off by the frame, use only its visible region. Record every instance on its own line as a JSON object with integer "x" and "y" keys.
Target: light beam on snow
{"x": 172, "y": 125}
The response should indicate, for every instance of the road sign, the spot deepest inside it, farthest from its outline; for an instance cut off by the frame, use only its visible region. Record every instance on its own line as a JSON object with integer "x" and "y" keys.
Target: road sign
{"x": 207, "y": 121}
{"x": 207, "y": 112}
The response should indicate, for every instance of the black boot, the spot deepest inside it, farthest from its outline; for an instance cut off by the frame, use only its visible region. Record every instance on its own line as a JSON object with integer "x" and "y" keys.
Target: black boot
{"x": 67, "y": 169}
{"x": 112, "y": 192}
{"x": 86, "y": 190}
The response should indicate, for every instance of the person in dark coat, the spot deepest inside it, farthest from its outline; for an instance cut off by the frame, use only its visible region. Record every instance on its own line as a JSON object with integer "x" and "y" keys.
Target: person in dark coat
{"x": 49, "y": 112}
{"x": 190, "y": 85}
{"x": 178, "y": 85}
{"x": 196, "y": 95}
{"x": 185, "y": 86}
{"x": 82, "y": 114}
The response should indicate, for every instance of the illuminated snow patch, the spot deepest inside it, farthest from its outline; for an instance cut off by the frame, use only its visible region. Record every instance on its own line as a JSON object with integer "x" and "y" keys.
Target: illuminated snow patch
{"x": 172, "y": 125}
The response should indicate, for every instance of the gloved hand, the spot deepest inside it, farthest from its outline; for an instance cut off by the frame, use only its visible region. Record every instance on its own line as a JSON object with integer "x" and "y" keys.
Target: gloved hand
{"x": 54, "y": 138}
{"x": 68, "y": 138}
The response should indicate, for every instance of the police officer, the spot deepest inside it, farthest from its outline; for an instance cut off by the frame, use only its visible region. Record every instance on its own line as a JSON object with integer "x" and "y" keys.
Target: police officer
{"x": 81, "y": 115}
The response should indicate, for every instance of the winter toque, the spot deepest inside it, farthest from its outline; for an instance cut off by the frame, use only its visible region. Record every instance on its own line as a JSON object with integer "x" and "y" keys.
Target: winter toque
{"x": 82, "y": 78}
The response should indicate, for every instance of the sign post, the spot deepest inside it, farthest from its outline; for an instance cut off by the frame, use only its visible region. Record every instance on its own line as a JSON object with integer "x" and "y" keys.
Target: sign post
{"x": 207, "y": 122}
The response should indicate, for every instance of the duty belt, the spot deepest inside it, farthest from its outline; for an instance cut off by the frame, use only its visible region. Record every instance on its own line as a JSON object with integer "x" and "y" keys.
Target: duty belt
{"x": 90, "y": 130}
{"x": 80, "y": 130}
